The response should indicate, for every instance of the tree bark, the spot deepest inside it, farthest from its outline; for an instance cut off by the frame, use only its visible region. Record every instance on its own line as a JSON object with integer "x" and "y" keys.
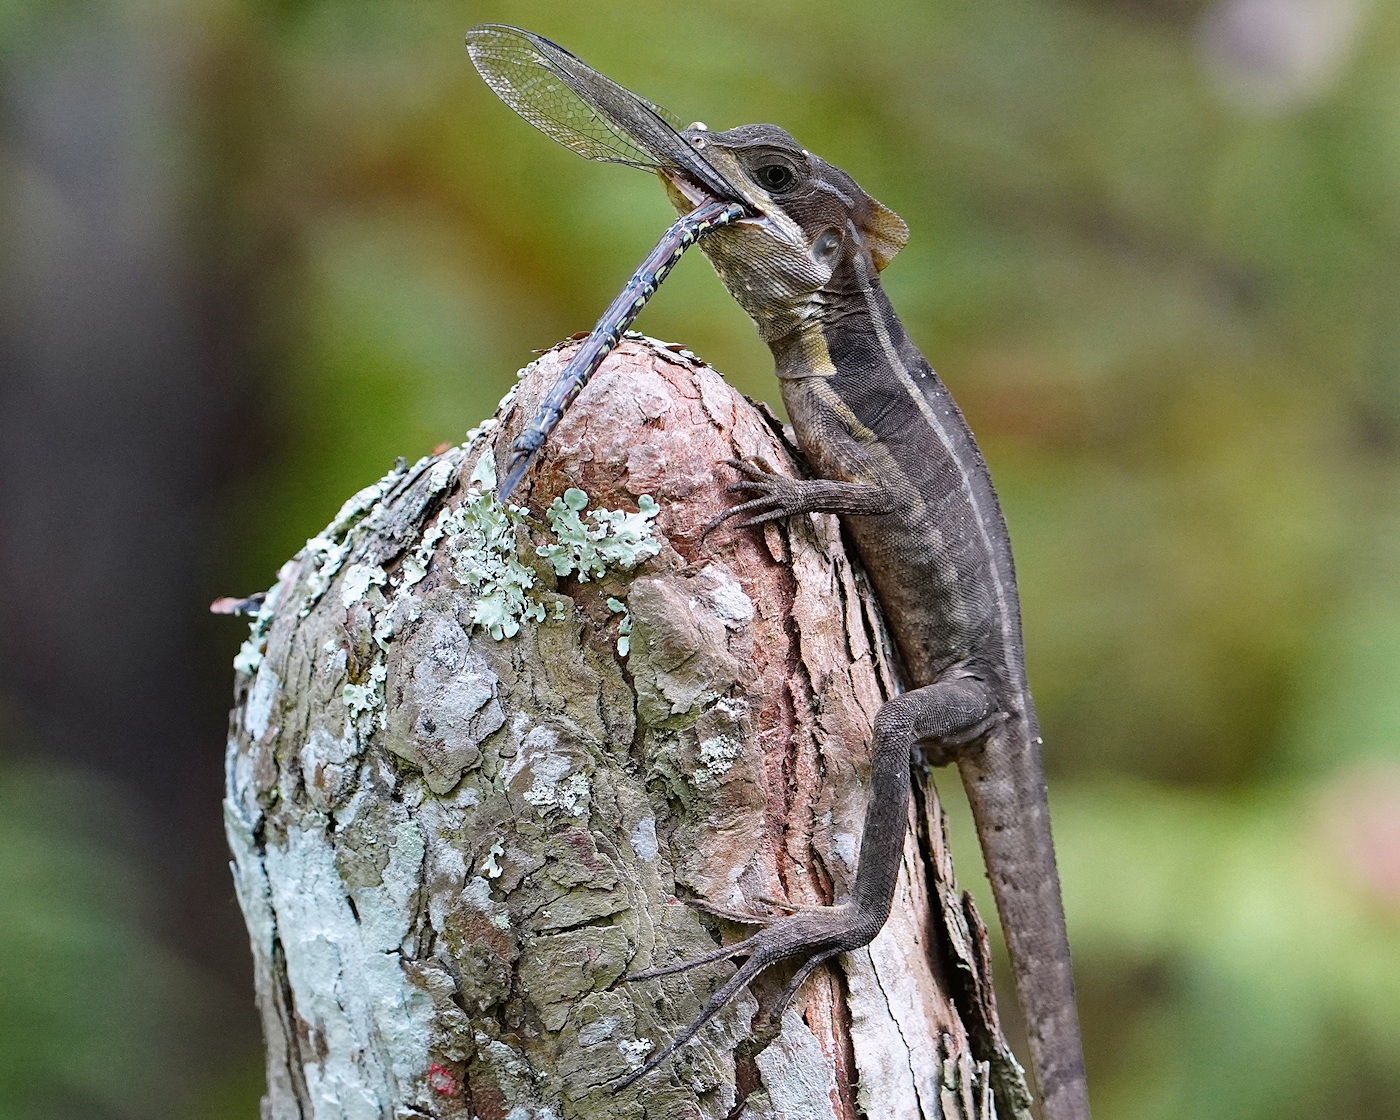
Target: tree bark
{"x": 453, "y": 838}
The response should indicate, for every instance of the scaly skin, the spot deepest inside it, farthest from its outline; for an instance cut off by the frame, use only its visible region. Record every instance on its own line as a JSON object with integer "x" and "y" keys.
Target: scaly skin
{"x": 893, "y": 456}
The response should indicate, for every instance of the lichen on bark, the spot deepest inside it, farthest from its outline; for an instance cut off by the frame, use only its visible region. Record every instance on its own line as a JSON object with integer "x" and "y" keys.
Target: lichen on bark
{"x": 457, "y": 829}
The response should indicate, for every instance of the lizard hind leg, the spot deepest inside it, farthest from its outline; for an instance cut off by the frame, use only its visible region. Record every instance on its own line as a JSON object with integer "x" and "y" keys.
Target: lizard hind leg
{"x": 940, "y": 711}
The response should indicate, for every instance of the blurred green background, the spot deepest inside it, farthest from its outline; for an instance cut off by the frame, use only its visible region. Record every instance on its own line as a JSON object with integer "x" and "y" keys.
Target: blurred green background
{"x": 252, "y": 251}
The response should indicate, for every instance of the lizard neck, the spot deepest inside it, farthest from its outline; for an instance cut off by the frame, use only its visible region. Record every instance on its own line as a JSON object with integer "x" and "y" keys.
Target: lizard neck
{"x": 866, "y": 407}
{"x": 847, "y": 330}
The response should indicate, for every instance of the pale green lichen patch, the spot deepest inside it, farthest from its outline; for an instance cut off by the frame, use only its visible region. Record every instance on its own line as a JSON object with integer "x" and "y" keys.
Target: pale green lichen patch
{"x": 624, "y": 626}
{"x": 607, "y": 538}
{"x": 386, "y": 624}
{"x": 480, "y": 537}
{"x": 415, "y": 565}
{"x": 484, "y": 473}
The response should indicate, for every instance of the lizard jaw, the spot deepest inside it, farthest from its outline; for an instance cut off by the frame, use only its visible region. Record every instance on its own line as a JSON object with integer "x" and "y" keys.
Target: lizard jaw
{"x": 686, "y": 194}
{"x": 684, "y": 191}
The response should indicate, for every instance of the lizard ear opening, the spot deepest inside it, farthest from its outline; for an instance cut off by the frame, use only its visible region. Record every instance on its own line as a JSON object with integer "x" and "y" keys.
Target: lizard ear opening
{"x": 886, "y": 232}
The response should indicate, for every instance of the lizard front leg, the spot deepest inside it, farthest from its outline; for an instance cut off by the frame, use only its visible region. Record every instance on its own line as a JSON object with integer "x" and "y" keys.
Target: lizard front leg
{"x": 937, "y": 711}
{"x": 772, "y": 497}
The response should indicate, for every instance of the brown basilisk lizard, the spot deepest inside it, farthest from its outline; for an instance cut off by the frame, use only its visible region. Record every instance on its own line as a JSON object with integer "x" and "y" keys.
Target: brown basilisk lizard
{"x": 893, "y": 457}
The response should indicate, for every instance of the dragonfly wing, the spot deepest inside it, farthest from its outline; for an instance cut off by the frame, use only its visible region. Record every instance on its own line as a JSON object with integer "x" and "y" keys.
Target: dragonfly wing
{"x": 578, "y": 107}
{"x": 533, "y": 76}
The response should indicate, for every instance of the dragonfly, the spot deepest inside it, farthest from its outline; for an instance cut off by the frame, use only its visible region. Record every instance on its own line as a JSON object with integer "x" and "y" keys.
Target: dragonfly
{"x": 592, "y": 115}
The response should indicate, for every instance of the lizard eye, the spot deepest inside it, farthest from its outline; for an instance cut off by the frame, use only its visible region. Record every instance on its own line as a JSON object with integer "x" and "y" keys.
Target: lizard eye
{"x": 774, "y": 176}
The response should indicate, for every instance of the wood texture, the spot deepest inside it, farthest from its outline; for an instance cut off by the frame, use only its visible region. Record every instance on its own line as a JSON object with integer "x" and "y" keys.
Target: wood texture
{"x": 450, "y": 848}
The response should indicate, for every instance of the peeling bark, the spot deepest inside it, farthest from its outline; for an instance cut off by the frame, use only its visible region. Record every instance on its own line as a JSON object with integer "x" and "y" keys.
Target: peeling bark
{"x": 451, "y": 847}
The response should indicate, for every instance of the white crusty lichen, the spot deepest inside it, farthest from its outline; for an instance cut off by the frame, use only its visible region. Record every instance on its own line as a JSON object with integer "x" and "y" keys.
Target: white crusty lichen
{"x": 369, "y": 696}
{"x": 635, "y": 1050}
{"x": 344, "y": 972}
{"x": 331, "y": 547}
{"x": 719, "y": 752}
{"x": 250, "y": 653}
{"x": 328, "y": 549}
{"x": 415, "y": 565}
{"x": 717, "y": 758}
{"x": 547, "y": 792}
{"x": 479, "y": 538}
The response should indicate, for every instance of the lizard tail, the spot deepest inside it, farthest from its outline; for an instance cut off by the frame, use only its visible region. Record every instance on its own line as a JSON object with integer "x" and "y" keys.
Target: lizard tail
{"x": 1006, "y": 787}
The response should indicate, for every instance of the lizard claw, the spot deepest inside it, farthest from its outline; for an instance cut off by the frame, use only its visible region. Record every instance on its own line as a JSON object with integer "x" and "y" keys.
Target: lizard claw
{"x": 750, "y": 467}
{"x": 724, "y": 952}
{"x": 761, "y": 957}
{"x": 820, "y": 934}
{"x": 773, "y": 500}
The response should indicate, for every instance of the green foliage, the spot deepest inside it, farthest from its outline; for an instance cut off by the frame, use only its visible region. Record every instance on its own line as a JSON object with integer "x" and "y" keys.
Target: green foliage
{"x": 92, "y": 1004}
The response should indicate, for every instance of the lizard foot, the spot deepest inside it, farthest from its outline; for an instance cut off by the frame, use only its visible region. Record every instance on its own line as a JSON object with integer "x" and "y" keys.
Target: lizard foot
{"x": 818, "y": 935}
{"x": 772, "y": 497}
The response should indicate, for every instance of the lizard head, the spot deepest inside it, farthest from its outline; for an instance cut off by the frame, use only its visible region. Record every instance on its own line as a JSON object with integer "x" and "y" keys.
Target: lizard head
{"x": 814, "y": 232}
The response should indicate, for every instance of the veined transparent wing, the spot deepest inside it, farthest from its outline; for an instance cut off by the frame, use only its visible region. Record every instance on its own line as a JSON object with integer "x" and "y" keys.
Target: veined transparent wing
{"x": 578, "y": 107}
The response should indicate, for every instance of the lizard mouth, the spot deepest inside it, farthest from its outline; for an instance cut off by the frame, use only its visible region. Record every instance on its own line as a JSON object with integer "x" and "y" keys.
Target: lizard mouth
{"x": 684, "y": 189}
{"x": 687, "y": 188}
{"x": 687, "y": 194}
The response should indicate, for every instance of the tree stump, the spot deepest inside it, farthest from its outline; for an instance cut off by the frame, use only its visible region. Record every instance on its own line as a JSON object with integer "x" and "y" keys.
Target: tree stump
{"x": 480, "y": 762}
